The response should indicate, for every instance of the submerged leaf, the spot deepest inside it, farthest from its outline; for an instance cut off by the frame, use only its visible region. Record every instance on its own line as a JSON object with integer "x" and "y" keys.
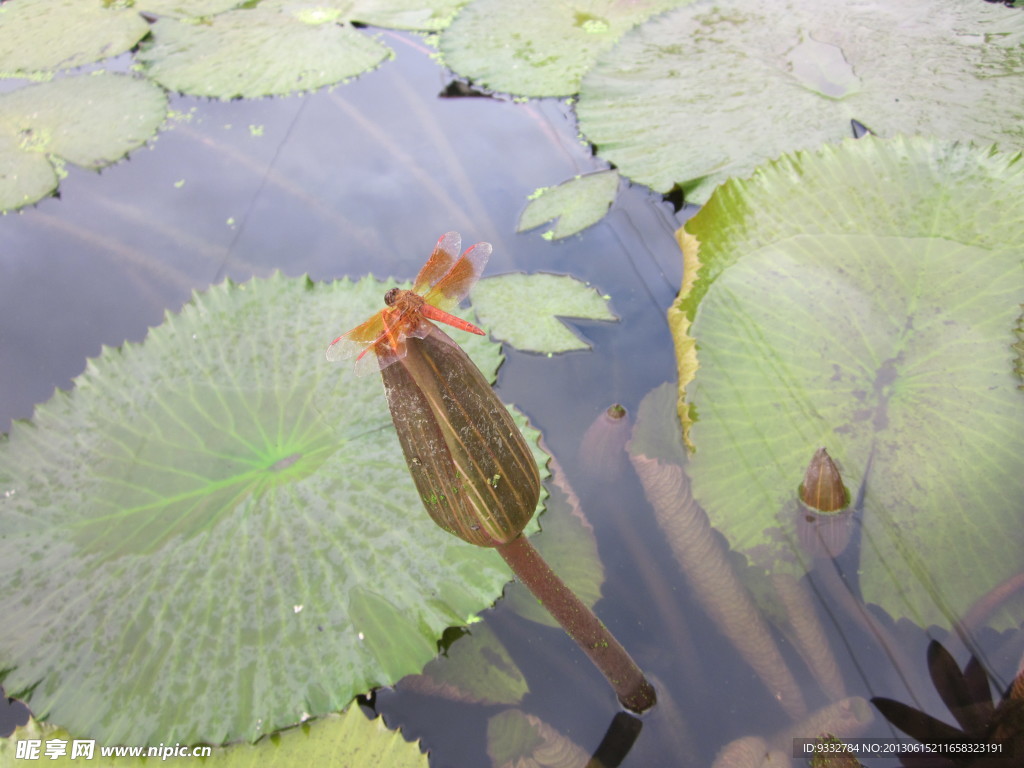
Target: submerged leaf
{"x": 476, "y": 668}
{"x": 215, "y": 533}
{"x": 878, "y": 319}
{"x": 576, "y": 204}
{"x": 515, "y": 738}
{"x": 524, "y": 310}
{"x": 711, "y": 90}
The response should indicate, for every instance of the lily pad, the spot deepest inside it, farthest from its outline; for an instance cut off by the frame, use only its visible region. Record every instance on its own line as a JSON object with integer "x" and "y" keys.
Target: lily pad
{"x": 711, "y": 90}
{"x": 89, "y": 120}
{"x": 215, "y": 535}
{"x": 538, "y": 48}
{"x": 498, "y": 302}
{"x": 274, "y": 48}
{"x": 864, "y": 299}
{"x": 48, "y": 35}
{"x": 576, "y": 204}
{"x": 185, "y": 9}
{"x": 349, "y": 738}
{"x": 407, "y": 14}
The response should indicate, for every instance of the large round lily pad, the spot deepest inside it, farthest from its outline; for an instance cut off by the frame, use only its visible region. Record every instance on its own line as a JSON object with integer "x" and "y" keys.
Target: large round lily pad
{"x": 866, "y": 299}
{"x": 712, "y": 89}
{"x": 215, "y": 534}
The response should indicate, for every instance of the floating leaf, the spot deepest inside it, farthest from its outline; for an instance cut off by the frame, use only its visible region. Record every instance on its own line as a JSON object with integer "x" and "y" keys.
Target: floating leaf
{"x": 346, "y": 739}
{"x": 710, "y": 90}
{"x": 877, "y": 318}
{"x": 215, "y": 533}
{"x": 274, "y": 48}
{"x": 501, "y": 304}
{"x": 89, "y": 120}
{"x": 185, "y": 9}
{"x": 47, "y": 35}
{"x": 576, "y": 204}
{"x": 406, "y": 14}
{"x": 538, "y": 48}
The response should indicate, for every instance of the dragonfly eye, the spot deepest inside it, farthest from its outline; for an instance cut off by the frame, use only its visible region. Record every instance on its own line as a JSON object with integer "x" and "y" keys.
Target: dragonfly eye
{"x": 391, "y": 296}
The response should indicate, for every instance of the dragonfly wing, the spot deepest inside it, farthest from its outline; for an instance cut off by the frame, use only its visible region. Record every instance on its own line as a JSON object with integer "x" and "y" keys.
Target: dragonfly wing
{"x": 445, "y": 254}
{"x": 359, "y": 339}
{"x": 380, "y": 356}
{"x": 456, "y": 285}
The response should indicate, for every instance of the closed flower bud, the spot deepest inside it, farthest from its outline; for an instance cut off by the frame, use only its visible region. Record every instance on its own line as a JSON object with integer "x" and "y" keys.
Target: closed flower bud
{"x": 824, "y": 523}
{"x": 822, "y": 489}
{"x": 470, "y": 463}
{"x": 603, "y": 447}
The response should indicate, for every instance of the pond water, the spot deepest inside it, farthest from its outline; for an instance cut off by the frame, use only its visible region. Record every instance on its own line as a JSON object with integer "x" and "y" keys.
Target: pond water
{"x": 360, "y": 179}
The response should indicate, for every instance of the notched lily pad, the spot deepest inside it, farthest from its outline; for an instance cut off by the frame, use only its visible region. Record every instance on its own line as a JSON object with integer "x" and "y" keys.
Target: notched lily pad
{"x": 273, "y": 48}
{"x": 538, "y": 48}
{"x": 710, "y": 90}
{"x": 49, "y": 35}
{"x": 215, "y": 535}
{"x": 407, "y": 14}
{"x": 499, "y": 303}
{"x": 88, "y": 120}
{"x": 576, "y": 204}
{"x": 876, "y": 320}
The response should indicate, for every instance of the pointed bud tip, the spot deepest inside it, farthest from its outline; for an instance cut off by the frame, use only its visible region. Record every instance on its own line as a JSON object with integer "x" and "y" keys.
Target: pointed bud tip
{"x": 822, "y": 489}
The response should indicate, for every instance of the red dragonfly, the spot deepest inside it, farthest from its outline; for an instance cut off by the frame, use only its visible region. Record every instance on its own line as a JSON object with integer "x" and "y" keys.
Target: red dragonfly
{"x": 444, "y": 281}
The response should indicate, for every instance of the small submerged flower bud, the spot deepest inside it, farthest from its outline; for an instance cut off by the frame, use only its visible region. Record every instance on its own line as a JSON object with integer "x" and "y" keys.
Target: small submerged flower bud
{"x": 603, "y": 447}
{"x": 471, "y": 465}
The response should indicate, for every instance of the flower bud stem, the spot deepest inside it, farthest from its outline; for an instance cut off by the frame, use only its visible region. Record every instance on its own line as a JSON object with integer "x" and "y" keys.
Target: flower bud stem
{"x": 635, "y": 693}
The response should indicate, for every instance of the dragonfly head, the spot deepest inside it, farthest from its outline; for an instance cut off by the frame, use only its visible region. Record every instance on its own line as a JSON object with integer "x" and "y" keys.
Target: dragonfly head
{"x": 392, "y": 296}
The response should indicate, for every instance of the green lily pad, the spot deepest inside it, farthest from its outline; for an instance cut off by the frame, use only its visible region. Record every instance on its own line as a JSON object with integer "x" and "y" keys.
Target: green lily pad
{"x": 185, "y": 9}
{"x": 864, "y": 299}
{"x": 48, "y": 35}
{"x": 215, "y": 534}
{"x": 500, "y": 304}
{"x": 711, "y": 90}
{"x": 407, "y": 14}
{"x": 538, "y": 48}
{"x": 349, "y": 738}
{"x": 576, "y": 204}
{"x": 89, "y": 120}
{"x": 300, "y": 46}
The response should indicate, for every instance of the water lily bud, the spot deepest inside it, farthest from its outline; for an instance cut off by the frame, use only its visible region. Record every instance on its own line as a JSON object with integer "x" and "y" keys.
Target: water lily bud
{"x": 603, "y": 447}
{"x": 822, "y": 489}
{"x": 825, "y": 525}
{"x": 471, "y": 465}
